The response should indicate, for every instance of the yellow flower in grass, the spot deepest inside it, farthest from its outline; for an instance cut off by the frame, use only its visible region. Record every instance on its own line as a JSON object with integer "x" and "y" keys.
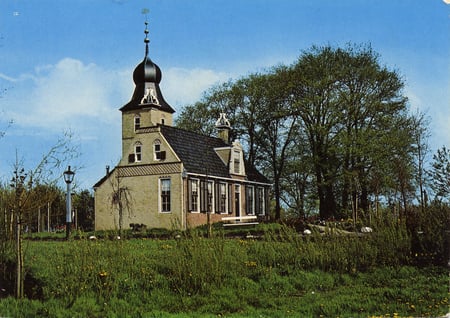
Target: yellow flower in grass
{"x": 250, "y": 264}
{"x": 103, "y": 274}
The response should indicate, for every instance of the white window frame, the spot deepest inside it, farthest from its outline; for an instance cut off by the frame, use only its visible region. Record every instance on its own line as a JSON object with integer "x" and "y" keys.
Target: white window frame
{"x": 223, "y": 190}
{"x": 250, "y": 194}
{"x": 137, "y": 122}
{"x": 261, "y": 196}
{"x": 197, "y": 197}
{"x": 237, "y": 162}
{"x": 210, "y": 196}
{"x": 156, "y": 145}
{"x": 138, "y": 152}
{"x": 160, "y": 195}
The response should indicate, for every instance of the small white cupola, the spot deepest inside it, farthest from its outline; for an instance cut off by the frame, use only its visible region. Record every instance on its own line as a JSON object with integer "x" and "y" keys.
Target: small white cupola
{"x": 223, "y": 128}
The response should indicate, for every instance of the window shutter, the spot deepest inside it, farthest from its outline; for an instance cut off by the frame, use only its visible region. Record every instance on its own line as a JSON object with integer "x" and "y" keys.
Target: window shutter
{"x": 258, "y": 201}
{"x": 131, "y": 158}
{"x": 267, "y": 201}
{"x": 189, "y": 195}
{"x": 203, "y": 196}
{"x": 230, "y": 199}
{"x": 217, "y": 197}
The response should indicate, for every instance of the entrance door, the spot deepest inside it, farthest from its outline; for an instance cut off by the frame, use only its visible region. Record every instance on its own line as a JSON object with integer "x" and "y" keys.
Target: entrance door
{"x": 237, "y": 199}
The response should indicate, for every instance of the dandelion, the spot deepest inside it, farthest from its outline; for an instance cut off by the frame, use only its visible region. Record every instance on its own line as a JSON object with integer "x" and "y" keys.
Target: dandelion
{"x": 103, "y": 274}
{"x": 250, "y": 264}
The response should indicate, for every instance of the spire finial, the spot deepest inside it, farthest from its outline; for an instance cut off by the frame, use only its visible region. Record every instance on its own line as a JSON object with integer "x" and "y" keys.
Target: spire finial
{"x": 146, "y": 40}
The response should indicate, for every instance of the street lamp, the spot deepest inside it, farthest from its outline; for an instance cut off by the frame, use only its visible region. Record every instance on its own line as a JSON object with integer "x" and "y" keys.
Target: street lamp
{"x": 68, "y": 178}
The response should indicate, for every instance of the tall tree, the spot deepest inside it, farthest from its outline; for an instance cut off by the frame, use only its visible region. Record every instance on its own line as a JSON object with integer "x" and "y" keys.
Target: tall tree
{"x": 440, "y": 173}
{"x": 345, "y": 100}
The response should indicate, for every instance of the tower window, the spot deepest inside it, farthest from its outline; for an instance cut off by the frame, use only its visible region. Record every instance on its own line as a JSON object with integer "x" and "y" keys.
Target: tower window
{"x": 137, "y": 122}
{"x": 138, "y": 152}
{"x": 159, "y": 155}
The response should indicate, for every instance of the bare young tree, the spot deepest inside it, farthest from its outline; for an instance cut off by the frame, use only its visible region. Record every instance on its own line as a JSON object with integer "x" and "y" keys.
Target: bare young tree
{"x": 120, "y": 198}
{"x": 29, "y": 194}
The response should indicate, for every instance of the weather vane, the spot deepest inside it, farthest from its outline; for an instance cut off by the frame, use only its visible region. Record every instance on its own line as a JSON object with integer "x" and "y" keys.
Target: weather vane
{"x": 144, "y": 12}
{"x": 146, "y": 40}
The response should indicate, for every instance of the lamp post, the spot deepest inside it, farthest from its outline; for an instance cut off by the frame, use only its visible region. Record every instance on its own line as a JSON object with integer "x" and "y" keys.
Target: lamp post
{"x": 68, "y": 178}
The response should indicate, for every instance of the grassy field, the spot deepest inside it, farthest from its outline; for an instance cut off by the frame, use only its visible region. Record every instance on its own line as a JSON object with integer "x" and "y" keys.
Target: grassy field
{"x": 280, "y": 275}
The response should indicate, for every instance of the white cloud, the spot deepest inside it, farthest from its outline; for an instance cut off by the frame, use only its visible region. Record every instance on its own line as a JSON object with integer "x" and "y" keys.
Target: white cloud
{"x": 182, "y": 86}
{"x": 72, "y": 94}
{"x": 68, "y": 93}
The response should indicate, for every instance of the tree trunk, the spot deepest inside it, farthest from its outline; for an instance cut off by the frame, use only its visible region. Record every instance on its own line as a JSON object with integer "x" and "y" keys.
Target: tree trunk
{"x": 19, "y": 261}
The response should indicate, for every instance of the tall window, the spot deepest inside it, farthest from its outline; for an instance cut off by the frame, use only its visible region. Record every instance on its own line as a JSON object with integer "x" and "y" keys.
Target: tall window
{"x": 210, "y": 196}
{"x": 137, "y": 122}
{"x": 237, "y": 199}
{"x": 237, "y": 162}
{"x": 250, "y": 200}
{"x": 193, "y": 195}
{"x": 222, "y": 197}
{"x": 165, "y": 195}
{"x": 260, "y": 201}
{"x": 138, "y": 152}
{"x": 206, "y": 196}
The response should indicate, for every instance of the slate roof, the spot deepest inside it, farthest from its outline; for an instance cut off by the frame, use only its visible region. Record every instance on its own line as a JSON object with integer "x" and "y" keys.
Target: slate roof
{"x": 197, "y": 153}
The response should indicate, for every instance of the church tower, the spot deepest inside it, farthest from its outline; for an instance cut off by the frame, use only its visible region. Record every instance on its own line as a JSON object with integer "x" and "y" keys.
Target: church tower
{"x": 147, "y": 107}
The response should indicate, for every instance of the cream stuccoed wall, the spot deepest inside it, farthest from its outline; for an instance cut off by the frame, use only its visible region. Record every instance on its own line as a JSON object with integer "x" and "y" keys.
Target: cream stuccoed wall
{"x": 149, "y": 118}
{"x": 144, "y": 202}
{"x": 147, "y": 138}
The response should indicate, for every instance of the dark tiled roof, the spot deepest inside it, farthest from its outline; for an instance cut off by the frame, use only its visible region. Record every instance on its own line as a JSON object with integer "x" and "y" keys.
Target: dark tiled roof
{"x": 254, "y": 175}
{"x": 196, "y": 151}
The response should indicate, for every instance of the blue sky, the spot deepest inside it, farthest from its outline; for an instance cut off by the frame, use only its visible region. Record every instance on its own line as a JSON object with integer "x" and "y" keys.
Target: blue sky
{"x": 68, "y": 64}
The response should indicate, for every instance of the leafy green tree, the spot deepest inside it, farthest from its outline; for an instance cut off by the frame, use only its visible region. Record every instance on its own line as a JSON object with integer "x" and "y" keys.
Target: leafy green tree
{"x": 84, "y": 206}
{"x": 347, "y": 101}
{"x": 336, "y": 119}
{"x": 440, "y": 173}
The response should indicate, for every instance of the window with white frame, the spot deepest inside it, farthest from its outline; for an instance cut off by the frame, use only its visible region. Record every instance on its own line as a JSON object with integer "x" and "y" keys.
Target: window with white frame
{"x": 165, "y": 190}
{"x": 137, "y": 122}
{"x": 193, "y": 195}
{"x": 260, "y": 206}
{"x": 237, "y": 161}
{"x": 222, "y": 197}
{"x": 138, "y": 152}
{"x": 210, "y": 198}
{"x": 158, "y": 153}
{"x": 250, "y": 200}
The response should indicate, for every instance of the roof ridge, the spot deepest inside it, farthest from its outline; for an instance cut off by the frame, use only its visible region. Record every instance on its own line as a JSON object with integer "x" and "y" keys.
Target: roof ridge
{"x": 188, "y": 131}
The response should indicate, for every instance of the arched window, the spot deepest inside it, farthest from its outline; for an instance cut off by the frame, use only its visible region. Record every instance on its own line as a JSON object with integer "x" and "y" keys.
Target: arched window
{"x": 158, "y": 153}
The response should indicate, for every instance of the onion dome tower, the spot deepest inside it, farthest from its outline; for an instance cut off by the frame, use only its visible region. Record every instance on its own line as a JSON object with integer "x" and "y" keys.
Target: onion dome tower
{"x": 147, "y": 76}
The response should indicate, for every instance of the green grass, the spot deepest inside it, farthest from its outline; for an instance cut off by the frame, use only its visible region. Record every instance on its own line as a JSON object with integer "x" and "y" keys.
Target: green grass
{"x": 282, "y": 275}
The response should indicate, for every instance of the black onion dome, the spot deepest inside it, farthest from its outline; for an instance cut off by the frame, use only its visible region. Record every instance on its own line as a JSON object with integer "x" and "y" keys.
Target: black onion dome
{"x": 147, "y": 76}
{"x": 146, "y": 72}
